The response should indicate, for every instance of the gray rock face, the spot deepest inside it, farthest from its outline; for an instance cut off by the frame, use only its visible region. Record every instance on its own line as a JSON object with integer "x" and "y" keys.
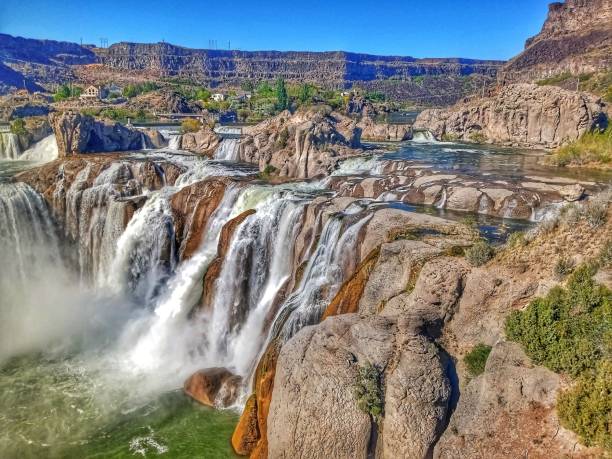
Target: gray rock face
{"x": 316, "y": 398}
{"x": 384, "y": 132}
{"x": 77, "y": 133}
{"x": 522, "y": 114}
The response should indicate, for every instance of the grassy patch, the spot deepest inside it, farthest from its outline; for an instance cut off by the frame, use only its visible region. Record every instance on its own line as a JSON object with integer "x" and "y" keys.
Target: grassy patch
{"x": 591, "y": 148}
{"x": 190, "y": 125}
{"x": 476, "y": 359}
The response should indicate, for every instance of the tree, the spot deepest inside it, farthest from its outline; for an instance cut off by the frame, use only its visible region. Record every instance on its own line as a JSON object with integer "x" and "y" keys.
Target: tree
{"x": 62, "y": 93}
{"x": 281, "y": 95}
{"x": 305, "y": 93}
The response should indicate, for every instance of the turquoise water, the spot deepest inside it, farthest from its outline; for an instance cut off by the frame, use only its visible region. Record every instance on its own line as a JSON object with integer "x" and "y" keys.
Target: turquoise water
{"x": 61, "y": 407}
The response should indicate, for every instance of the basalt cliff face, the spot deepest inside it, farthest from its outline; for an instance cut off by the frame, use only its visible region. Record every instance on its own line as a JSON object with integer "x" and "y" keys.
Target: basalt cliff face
{"x": 335, "y": 68}
{"x": 576, "y": 38}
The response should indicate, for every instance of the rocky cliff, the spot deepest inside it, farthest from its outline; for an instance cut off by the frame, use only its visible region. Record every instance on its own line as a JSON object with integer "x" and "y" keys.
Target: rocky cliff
{"x": 576, "y": 38}
{"x": 525, "y": 115}
{"x": 441, "y": 81}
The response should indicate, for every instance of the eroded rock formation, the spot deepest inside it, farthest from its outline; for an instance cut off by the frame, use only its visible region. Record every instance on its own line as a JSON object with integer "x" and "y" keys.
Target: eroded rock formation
{"x": 77, "y": 133}
{"x": 302, "y": 145}
{"x": 525, "y": 115}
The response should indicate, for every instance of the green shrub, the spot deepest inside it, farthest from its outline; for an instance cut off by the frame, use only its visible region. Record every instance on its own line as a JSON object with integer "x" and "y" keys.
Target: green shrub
{"x": 190, "y": 125}
{"x": 596, "y": 213}
{"x": 586, "y": 408}
{"x": 565, "y": 330}
{"x": 368, "y": 391}
{"x": 476, "y": 359}
{"x": 479, "y": 253}
{"x": 563, "y": 267}
{"x": 18, "y": 127}
{"x": 133, "y": 90}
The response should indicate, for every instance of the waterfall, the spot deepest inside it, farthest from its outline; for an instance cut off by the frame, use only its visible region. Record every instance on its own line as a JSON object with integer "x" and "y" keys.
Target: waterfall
{"x": 256, "y": 267}
{"x": 174, "y": 142}
{"x": 144, "y": 254}
{"x": 323, "y": 275}
{"x": 423, "y": 137}
{"x": 9, "y": 146}
{"x": 442, "y": 203}
{"x": 227, "y": 150}
{"x": 163, "y": 341}
{"x": 27, "y": 235}
{"x": 43, "y": 151}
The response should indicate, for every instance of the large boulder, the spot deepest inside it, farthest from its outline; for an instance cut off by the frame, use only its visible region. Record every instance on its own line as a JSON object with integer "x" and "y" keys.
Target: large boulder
{"x": 203, "y": 142}
{"x": 317, "y": 399}
{"x": 215, "y": 387}
{"x": 301, "y": 145}
{"x": 520, "y": 114}
{"x": 499, "y": 411}
{"x": 77, "y": 133}
{"x": 384, "y": 132}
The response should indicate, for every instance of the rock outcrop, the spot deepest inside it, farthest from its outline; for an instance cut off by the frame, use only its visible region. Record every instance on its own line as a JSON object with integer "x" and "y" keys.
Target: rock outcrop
{"x": 417, "y": 391}
{"x": 384, "y": 132}
{"x": 77, "y": 133}
{"x": 300, "y": 145}
{"x": 525, "y": 115}
{"x": 203, "y": 142}
{"x": 214, "y": 387}
{"x": 576, "y": 39}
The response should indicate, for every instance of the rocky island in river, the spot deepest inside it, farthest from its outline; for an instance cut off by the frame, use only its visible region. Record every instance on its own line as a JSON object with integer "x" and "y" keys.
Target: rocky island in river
{"x": 211, "y": 253}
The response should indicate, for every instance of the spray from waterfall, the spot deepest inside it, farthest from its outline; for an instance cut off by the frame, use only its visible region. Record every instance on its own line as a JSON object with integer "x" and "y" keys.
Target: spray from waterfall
{"x": 43, "y": 151}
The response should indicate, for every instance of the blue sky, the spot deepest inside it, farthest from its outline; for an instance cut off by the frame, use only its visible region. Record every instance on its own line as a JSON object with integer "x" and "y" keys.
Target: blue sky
{"x": 487, "y": 29}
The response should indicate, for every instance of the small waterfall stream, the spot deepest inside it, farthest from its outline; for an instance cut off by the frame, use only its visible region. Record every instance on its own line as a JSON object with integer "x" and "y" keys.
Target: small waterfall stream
{"x": 227, "y": 150}
{"x": 9, "y": 146}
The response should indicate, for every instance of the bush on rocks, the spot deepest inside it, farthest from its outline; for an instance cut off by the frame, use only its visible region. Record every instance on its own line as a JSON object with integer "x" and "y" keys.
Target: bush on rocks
{"x": 479, "y": 253}
{"x": 476, "y": 359}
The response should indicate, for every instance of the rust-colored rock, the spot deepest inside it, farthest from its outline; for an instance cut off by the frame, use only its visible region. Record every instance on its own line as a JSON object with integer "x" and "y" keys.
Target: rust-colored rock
{"x": 215, "y": 387}
{"x": 246, "y": 435}
{"x": 192, "y": 207}
{"x": 347, "y": 299}
{"x": 256, "y": 435}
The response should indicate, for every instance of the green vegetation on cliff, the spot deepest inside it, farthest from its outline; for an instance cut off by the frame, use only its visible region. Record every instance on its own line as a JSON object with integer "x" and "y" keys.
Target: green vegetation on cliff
{"x": 368, "y": 391}
{"x": 570, "y": 331}
{"x": 476, "y": 359}
{"x": 18, "y": 127}
{"x": 587, "y": 406}
{"x": 591, "y": 148}
{"x": 133, "y": 90}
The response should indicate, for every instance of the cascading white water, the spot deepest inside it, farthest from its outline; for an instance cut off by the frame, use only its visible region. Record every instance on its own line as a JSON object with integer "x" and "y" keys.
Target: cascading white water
{"x": 258, "y": 263}
{"x": 163, "y": 341}
{"x": 323, "y": 274}
{"x": 26, "y": 228}
{"x": 174, "y": 141}
{"x": 423, "y": 137}
{"x": 9, "y": 146}
{"x": 42, "y": 151}
{"x": 227, "y": 150}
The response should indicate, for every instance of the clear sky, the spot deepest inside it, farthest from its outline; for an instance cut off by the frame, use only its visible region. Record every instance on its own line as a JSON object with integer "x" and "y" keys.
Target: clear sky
{"x": 486, "y": 29}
